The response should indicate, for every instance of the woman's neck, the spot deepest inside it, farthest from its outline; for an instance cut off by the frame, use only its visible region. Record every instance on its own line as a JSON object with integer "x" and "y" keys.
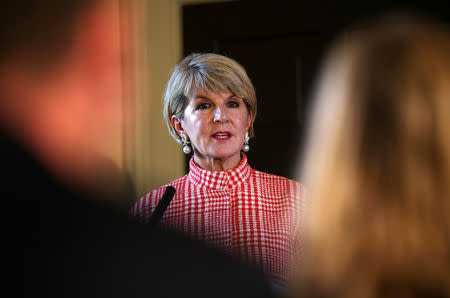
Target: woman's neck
{"x": 216, "y": 164}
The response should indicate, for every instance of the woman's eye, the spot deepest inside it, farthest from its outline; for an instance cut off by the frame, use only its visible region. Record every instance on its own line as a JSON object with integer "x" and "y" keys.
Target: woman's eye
{"x": 233, "y": 104}
{"x": 203, "y": 106}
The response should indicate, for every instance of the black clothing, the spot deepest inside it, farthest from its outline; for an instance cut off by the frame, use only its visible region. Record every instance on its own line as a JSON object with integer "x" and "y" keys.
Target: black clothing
{"x": 63, "y": 243}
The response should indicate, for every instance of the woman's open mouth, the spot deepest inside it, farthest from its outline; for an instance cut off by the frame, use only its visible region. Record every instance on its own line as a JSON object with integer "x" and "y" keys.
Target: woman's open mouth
{"x": 221, "y": 135}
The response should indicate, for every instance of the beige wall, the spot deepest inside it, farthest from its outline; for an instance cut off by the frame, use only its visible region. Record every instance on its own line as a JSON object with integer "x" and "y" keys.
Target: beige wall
{"x": 152, "y": 156}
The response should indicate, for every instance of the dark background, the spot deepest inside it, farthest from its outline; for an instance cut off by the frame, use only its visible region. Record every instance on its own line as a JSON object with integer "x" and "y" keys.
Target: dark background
{"x": 281, "y": 45}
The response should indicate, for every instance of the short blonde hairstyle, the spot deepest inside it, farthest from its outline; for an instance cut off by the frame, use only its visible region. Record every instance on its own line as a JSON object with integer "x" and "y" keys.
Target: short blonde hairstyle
{"x": 378, "y": 165}
{"x": 209, "y": 72}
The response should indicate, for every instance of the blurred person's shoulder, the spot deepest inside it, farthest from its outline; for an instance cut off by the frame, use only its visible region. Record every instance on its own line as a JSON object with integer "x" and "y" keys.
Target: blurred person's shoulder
{"x": 62, "y": 241}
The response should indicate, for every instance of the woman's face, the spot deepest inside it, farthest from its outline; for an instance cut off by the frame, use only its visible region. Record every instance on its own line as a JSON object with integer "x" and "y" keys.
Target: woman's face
{"x": 216, "y": 124}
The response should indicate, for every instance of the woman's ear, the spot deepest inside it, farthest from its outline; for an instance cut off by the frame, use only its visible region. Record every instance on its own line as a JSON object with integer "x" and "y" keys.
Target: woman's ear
{"x": 177, "y": 125}
{"x": 249, "y": 119}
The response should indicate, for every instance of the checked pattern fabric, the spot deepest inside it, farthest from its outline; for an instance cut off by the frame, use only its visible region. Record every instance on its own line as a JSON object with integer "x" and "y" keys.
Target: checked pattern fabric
{"x": 247, "y": 213}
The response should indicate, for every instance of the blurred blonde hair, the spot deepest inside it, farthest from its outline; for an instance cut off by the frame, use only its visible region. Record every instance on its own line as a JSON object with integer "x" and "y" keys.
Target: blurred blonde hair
{"x": 378, "y": 165}
{"x": 209, "y": 72}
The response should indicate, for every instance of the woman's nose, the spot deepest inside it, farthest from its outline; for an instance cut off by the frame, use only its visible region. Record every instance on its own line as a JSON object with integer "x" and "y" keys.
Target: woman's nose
{"x": 220, "y": 115}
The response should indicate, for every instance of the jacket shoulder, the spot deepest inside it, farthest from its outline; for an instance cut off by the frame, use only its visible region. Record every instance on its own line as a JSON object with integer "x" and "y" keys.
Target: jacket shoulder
{"x": 276, "y": 179}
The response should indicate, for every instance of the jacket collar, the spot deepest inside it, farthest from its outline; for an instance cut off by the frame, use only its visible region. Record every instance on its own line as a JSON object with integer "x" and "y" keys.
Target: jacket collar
{"x": 219, "y": 179}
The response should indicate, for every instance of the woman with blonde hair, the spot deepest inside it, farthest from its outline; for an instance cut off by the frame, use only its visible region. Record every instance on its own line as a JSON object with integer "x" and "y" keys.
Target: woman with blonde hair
{"x": 378, "y": 166}
{"x": 209, "y": 108}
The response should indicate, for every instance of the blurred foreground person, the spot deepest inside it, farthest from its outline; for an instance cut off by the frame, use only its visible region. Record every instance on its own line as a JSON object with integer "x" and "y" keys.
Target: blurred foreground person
{"x": 60, "y": 102}
{"x": 378, "y": 166}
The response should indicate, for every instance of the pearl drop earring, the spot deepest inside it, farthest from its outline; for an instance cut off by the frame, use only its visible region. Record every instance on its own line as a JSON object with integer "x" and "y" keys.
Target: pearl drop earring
{"x": 246, "y": 146}
{"x": 186, "y": 144}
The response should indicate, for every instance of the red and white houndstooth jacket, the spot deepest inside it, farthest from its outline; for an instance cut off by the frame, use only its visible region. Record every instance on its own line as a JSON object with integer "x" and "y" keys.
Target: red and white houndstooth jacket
{"x": 245, "y": 212}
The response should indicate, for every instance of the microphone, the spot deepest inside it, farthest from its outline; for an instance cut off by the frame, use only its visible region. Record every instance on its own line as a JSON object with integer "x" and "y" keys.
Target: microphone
{"x": 162, "y": 206}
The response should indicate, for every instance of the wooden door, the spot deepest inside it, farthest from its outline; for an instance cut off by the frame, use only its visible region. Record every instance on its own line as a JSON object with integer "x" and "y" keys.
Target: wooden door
{"x": 280, "y": 44}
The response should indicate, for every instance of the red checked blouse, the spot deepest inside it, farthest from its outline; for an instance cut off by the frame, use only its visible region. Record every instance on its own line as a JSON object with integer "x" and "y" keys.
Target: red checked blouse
{"x": 246, "y": 212}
